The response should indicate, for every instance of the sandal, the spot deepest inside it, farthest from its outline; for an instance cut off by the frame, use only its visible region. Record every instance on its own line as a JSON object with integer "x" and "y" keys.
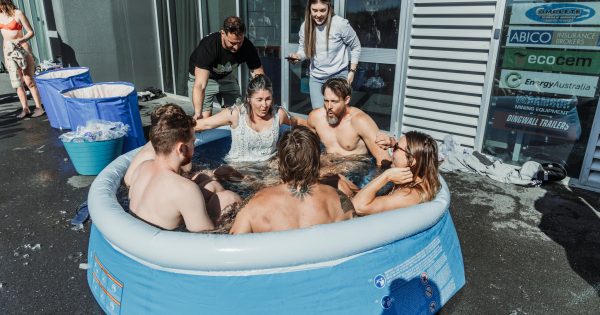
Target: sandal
{"x": 23, "y": 114}
{"x": 38, "y": 112}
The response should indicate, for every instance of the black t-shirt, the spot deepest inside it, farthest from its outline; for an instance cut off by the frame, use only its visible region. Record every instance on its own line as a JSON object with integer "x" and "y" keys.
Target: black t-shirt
{"x": 210, "y": 55}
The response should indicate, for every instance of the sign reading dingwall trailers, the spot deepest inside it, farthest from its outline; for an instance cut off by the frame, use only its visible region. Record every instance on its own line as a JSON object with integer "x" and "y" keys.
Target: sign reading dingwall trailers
{"x": 545, "y": 92}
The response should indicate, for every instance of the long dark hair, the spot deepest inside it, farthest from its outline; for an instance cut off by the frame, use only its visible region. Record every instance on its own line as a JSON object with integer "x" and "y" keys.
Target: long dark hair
{"x": 258, "y": 83}
{"x": 310, "y": 42}
{"x": 7, "y": 7}
{"x": 422, "y": 149}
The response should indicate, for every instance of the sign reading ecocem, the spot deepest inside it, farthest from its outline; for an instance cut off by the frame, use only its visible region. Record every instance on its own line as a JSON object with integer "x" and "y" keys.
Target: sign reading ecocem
{"x": 578, "y": 85}
{"x": 556, "y": 37}
{"x": 552, "y": 60}
{"x": 556, "y": 13}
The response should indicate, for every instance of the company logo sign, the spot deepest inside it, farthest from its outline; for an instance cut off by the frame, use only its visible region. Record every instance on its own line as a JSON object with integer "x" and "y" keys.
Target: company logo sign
{"x": 543, "y": 82}
{"x": 552, "y": 60}
{"x": 558, "y": 37}
{"x": 555, "y": 13}
{"x": 535, "y": 104}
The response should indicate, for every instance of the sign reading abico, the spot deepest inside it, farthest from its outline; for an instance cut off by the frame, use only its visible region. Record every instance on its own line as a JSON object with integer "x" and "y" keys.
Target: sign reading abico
{"x": 558, "y": 37}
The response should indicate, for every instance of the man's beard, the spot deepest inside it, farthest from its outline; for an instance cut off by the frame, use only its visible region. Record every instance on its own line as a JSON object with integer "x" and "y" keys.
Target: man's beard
{"x": 335, "y": 120}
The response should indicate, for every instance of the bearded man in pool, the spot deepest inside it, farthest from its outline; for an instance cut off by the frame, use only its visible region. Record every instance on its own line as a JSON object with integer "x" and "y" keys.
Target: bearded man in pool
{"x": 345, "y": 130}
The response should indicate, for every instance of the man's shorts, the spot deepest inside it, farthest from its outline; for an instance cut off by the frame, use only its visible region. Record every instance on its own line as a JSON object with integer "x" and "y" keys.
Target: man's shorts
{"x": 225, "y": 92}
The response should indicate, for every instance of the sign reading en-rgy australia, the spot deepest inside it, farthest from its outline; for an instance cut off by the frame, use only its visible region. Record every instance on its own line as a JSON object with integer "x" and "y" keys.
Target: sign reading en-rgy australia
{"x": 552, "y": 60}
{"x": 544, "y": 82}
{"x": 557, "y": 37}
{"x": 581, "y": 13}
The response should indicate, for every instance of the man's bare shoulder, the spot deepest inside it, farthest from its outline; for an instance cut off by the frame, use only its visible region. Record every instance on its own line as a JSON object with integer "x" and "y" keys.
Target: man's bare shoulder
{"x": 361, "y": 121}
{"x": 183, "y": 185}
{"x": 327, "y": 190}
{"x": 358, "y": 115}
{"x": 268, "y": 193}
{"x": 315, "y": 116}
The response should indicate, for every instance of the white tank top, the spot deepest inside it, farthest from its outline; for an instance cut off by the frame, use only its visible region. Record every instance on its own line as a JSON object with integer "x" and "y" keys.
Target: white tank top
{"x": 248, "y": 145}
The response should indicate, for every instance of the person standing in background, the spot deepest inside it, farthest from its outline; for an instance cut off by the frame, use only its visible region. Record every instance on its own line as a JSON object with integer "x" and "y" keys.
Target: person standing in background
{"x": 213, "y": 63}
{"x": 325, "y": 39}
{"x": 18, "y": 56}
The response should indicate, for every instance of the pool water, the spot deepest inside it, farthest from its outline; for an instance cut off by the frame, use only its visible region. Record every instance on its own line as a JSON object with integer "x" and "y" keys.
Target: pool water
{"x": 359, "y": 169}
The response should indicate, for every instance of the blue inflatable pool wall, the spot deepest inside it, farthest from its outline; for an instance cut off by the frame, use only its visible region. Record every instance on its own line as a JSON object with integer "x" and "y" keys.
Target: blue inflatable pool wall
{"x": 398, "y": 262}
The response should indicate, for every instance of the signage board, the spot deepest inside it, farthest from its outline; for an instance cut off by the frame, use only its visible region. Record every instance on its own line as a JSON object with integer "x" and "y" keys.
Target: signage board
{"x": 558, "y": 127}
{"x": 580, "y": 13}
{"x": 587, "y": 38}
{"x": 552, "y": 60}
{"x": 545, "y": 82}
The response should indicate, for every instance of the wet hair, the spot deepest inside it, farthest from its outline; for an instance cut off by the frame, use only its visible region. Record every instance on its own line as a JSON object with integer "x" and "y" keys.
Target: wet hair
{"x": 422, "y": 149}
{"x": 258, "y": 83}
{"x": 339, "y": 86}
{"x": 299, "y": 154}
{"x": 7, "y": 7}
{"x": 234, "y": 25}
{"x": 173, "y": 126}
{"x": 161, "y": 110}
{"x": 310, "y": 41}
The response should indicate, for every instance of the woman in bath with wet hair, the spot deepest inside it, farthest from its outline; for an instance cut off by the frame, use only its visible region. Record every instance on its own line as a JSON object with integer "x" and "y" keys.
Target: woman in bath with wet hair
{"x": 414, "y": 173}
{"x": 254, "y": 124}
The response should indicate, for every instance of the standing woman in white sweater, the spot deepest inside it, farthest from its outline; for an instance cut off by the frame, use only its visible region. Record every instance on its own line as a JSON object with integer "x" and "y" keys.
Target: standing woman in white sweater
{"x": 325, "y": 39}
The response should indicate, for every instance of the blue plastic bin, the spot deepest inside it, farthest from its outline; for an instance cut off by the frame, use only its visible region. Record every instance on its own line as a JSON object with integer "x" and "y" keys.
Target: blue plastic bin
{"x": 90, "y": 158}
{"x": 112, "y": 101}
{"x": 51, "y": 83}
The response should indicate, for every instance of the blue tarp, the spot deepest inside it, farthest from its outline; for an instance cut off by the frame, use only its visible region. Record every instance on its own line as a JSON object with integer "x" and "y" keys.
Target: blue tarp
{"x": 112, "y": 101}
{"x": 51, "y": 83}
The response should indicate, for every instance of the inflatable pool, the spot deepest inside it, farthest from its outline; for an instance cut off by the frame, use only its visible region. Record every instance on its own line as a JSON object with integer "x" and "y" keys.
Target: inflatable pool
{"x": 398, "y": 262}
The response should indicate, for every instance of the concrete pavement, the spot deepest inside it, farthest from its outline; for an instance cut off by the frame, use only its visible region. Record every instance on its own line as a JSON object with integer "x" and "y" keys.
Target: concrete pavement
{"x": 526, "y": 250}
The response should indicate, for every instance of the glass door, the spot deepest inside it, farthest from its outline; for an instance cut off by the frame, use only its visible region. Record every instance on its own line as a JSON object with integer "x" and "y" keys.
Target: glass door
{"x": 376, "y": 23}
{"x": 179, "y": 32}
{"x": 263, "y": 23}
{"x": 376, "y": 83}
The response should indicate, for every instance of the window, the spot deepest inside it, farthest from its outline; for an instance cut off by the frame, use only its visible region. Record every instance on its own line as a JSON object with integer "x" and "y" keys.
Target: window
{"x": 545, "y": 90}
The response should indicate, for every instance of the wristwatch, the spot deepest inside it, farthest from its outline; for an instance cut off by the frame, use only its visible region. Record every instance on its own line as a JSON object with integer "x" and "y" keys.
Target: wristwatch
{"x": 352, "y": 70}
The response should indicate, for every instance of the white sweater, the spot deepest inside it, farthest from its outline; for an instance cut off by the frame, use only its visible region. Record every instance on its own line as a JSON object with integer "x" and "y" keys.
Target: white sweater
{"x": 342, "y": 38}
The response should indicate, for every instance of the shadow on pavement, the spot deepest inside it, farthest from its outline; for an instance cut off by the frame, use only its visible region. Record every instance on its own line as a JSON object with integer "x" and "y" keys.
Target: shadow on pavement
{"x": 8, "y": 98}
{"x": 571, "y": 219}
{"x": 10, "y": 124}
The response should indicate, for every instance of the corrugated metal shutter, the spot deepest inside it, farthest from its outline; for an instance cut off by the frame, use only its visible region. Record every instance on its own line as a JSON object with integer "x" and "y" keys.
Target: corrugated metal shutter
{"x": 592, "y": 178}
{"x": 448, "y": 56}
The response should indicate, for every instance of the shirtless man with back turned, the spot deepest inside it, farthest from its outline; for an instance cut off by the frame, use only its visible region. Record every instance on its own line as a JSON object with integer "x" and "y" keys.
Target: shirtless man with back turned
{"x": 343, "y": 129}
{"x": 300, "y": 201}
{"x": 217, "y": 198}
{"x": 159, "y": 195}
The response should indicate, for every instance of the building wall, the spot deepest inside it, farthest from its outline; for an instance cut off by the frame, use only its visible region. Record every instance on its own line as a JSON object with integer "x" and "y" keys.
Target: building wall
{"x": 116, "y": 39}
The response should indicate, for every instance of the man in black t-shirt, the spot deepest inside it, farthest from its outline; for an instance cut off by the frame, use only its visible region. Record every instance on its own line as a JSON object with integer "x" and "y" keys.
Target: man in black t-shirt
{"x": 213, "y": 64}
